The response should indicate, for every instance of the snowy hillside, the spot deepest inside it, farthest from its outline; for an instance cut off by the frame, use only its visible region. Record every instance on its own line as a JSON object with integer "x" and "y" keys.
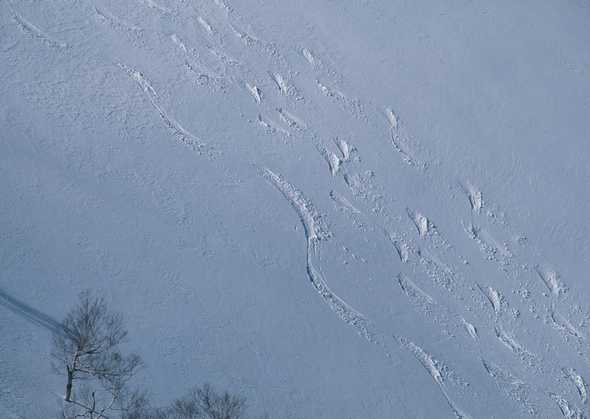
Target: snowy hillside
{"x": 339, "y": 209}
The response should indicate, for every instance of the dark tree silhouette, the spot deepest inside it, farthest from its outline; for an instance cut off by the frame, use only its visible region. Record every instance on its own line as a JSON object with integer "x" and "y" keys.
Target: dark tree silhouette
{"x": 200, "y": 403}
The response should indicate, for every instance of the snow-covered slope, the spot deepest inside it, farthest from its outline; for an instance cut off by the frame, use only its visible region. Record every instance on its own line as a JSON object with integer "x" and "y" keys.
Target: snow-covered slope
{"x": 341, "y": 209}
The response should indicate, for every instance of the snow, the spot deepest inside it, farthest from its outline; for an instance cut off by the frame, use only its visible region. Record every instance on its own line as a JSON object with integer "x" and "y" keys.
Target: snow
{"x": 338, "y": 209}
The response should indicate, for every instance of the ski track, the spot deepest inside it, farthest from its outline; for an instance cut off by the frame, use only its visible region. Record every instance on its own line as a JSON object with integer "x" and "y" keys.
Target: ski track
{"x": 310, "y": 58}
{"x": 185, "y": 137}
{"x": 271, "y": 126}
{"x": 179, "y": 43}
{"x": 205, "y": 25}
{"x": 474, "y": 196}
{"x": 392, "y": 119}
{"x": 511, "y": 386}
{"x": 551, "y": 281}
{"x": 578, "y": 382}
{"x": 280, "y": 83}
{"x": 202, "y": 75}
{"x": 402, "y": 250}
{"x": 489, "y": 246}
{"x": 354, "y": 107}
{"x": 566, "y": 408}
{"x": 400, "y": 145}
{"x": 344, "y": 148}
{"x": 315, "y": 232}
{"x": 255, "y": 92}
{"x": 423, "y": 225}
{"x": 471, "y": 329}
{"x": 291, "y": 120}
{"x": 116, "y": 22}
{"x": 414, "y": 292}
{"x": 331, "y": 159}
{"x": 436, "y": 371}
{"x": 151, "y": 4}
{"x": 34, "y": 32}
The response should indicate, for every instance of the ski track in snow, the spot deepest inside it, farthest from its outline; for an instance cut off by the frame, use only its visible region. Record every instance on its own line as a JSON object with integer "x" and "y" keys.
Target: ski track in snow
{"x": 181, "y": 133}
{"x": 36, "y": 33}
{"x": 474, "y": 195}
{"x": 343, "y": 202}
{"x": 116, "y": 22}
{"x": 578, "y": 382}
{"x": 513, "y": 387}
{"x": 255, "y": 92}
{"x": 436, "y": 371}
{"x": 414, "y": 291}
{"x": 155, "y": 6}
{"x": 315, "y": 232}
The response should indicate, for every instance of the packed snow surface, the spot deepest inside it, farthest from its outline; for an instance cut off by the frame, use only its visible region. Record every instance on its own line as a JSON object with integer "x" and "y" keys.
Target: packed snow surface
{"x": 339, "y": 209}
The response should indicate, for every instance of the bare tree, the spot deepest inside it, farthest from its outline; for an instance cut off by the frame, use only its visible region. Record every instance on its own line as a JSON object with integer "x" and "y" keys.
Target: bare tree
{"x": 206, "y": 403}
{"x": 87, "y": 352}
{"x": 200, "y": 403}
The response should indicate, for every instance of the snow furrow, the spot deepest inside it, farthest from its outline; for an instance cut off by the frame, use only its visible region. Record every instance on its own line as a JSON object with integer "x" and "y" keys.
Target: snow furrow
{"x": 436, "y": 371}
{"x": 35, "y": 32}
{"x": 315, "y": 232}
{"x": 185, "y": 137}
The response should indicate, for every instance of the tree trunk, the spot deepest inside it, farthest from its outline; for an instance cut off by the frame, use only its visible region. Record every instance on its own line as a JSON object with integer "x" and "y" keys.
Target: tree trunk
{"x": 69, "y": 384}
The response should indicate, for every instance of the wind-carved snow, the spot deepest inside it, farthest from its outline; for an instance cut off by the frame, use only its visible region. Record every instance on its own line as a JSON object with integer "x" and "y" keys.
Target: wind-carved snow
{"x": 315, "y": 232}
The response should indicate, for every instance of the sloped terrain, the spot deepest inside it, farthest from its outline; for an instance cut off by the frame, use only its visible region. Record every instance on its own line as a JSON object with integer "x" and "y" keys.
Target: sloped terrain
{"x": 356, "y": 209}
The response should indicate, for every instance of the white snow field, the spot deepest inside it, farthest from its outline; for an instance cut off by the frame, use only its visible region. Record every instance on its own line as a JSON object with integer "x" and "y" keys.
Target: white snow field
{"x": 339, "y": 209}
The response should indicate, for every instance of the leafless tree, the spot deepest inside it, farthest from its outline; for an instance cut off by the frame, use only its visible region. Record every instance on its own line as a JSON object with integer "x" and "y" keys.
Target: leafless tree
{"x": 87, "y": 352}
{"x": 206, "y": 403}
{"x": 200, "y": 403}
